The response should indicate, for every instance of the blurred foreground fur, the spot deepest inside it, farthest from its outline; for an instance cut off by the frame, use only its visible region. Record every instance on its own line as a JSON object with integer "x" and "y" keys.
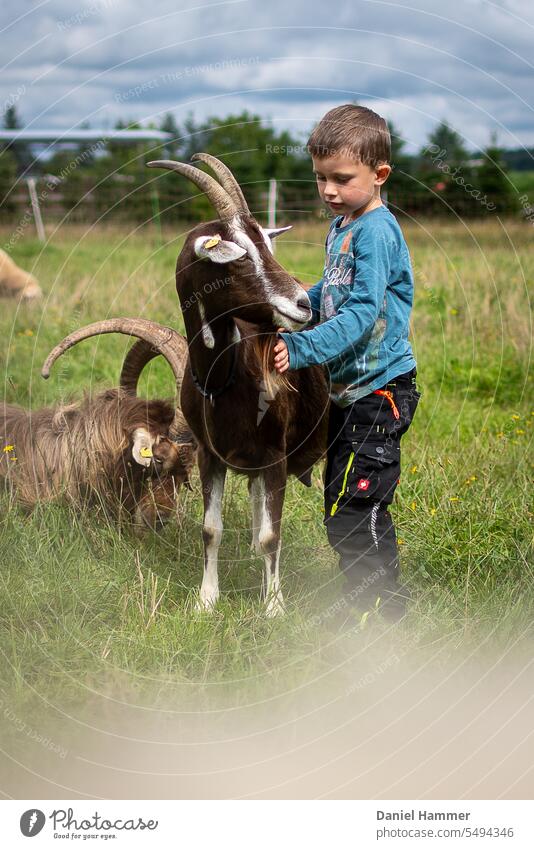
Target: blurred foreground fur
{"x": 15, "y": 282}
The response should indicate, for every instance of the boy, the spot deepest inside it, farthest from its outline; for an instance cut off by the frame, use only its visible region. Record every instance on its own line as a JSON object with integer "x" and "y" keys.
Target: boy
{"x": 362, "y": 305}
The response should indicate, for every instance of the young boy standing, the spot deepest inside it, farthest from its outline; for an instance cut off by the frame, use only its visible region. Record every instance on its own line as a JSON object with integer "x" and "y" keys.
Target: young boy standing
{"x": 361, "y": 308}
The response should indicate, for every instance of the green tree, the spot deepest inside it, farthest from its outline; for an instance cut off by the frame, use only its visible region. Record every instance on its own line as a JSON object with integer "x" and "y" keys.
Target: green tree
{"x": 444, "y": 171}
{"x": 11, "y": 119}
{"x": 8, "y": 176}
{"x": 401, "y": 186}
{"x": 449, "y": 143}
{"x": 256, "y": 153}
{"x": 20, "y": 149}
{"x": 493, "y": 181}
{"x": 121, "y": 178}
{"x": 168, "y": 125}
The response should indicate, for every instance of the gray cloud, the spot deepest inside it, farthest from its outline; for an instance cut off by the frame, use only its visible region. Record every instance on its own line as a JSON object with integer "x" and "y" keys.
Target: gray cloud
{"x": 467, "y": 62}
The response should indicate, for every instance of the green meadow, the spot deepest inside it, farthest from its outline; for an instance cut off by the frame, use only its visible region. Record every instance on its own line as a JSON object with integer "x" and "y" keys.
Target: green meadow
{"x": 87, "y": 606}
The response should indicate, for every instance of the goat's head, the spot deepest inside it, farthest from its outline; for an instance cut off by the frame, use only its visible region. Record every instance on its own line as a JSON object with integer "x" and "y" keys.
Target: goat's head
{"x": 159, "y": 444}
{"x": 227, "y": 266}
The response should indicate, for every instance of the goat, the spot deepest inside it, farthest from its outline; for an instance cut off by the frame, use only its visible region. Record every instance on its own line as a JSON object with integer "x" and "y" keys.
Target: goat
{"x": 242, "y": 414}
{"x": 115, "y": 448}
{"x": 14, "y": 281}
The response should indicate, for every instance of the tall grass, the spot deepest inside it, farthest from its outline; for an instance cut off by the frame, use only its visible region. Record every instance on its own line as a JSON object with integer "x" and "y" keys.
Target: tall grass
{"x": 86, "y": 605}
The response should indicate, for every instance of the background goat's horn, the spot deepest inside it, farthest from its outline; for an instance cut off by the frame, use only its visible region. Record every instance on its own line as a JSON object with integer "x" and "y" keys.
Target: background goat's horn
{"x": 154, "y": 339}
{"x": 223, "y": 203}
{"x": 226, "y": 179}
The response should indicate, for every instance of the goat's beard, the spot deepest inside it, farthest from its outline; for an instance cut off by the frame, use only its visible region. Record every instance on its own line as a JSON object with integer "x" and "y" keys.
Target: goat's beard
{"x": 272, "y": 382}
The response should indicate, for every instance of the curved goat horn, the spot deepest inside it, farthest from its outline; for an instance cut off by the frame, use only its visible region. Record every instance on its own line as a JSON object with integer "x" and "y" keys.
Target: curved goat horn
{"x": 154, "y": 339}
{"x": 218, "y": 197}
{"x": 135, "y": 360}
{"x": 226, "y": 179}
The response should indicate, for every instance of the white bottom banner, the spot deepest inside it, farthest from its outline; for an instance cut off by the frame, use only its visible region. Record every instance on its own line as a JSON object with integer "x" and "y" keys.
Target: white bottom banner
{"x": 264, "y": 824}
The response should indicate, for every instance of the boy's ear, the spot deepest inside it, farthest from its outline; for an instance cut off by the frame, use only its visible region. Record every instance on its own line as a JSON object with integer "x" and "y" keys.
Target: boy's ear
{"x": 382, "y": 173}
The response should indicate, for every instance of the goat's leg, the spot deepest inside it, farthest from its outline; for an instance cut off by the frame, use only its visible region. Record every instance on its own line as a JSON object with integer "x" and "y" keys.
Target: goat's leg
{"x": 212, "y": 475}
{"x": 269, "y": 490}
{"x": 255, "y": 494}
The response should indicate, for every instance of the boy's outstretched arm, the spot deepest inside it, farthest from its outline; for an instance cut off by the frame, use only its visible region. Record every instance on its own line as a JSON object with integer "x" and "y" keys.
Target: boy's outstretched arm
{"x": 281, "y": 356}
{"x": 355, "y": 318}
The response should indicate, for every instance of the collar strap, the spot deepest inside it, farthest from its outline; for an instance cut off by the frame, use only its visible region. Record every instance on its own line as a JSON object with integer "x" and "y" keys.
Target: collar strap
{"x": 214, "y": 393}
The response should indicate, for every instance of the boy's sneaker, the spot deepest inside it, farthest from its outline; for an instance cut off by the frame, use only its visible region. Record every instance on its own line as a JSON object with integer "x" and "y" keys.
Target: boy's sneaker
{"x": 388, "y": 601}
{"x": 392, "y": 603}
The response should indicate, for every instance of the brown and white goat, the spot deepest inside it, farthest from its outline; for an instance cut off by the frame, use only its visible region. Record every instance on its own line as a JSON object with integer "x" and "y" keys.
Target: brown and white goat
{"x": 244, "y": 416}
{"x": 122, "y": 451}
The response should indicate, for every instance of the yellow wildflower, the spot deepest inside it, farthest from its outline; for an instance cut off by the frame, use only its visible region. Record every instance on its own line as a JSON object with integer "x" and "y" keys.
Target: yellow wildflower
{"x": 414, "y": 470}
{"x": 515, "y": 417}
{"x": 454, "y": 498}
{"x": 519, "y": 431}
{"x": 500, "y": 435}
{"x": 8, "y": 448}
{"x": 433, "y": 511}
{"x": 453, "y": 311}
{"x": 413, "y": 505}
{"x": 401, "y": 542}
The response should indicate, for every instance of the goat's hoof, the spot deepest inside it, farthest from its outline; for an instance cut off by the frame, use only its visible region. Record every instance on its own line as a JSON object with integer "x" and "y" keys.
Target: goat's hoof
{"x": 274, "y": 607}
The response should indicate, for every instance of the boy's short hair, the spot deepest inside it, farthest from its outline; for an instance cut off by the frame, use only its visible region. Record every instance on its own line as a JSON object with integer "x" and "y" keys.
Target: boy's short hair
{"x": 354, "y": 130}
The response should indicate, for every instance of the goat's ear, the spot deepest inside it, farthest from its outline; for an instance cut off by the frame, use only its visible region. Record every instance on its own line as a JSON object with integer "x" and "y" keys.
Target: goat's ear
{"x": 142, "y": 447}
{"x": 272, "y": 233}
{"x": 218, "y": 250}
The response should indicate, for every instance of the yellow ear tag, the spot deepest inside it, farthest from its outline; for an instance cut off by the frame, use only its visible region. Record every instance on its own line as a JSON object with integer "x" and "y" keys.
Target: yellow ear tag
{"x": 212, "y": 242}
{"x": 146, "y": 452}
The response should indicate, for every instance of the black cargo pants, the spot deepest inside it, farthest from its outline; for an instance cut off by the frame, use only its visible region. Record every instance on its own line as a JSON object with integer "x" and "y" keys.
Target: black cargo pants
{"x": 362, "y": 473}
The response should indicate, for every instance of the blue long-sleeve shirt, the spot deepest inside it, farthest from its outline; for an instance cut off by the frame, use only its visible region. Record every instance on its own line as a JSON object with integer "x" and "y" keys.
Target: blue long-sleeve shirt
{"x": 363, "y": 303}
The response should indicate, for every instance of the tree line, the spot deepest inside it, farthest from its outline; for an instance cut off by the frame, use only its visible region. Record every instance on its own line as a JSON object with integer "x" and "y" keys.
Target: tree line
{"x": 109, "y": 179}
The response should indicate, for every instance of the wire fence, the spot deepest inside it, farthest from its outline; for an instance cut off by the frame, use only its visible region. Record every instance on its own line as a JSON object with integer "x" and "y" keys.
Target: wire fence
{"x": 127, "y": 199}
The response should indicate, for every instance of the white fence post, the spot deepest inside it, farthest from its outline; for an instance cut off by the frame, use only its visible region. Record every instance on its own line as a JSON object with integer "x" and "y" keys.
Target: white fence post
{"x": 36, "y": 209}
{"x": 273, "y": 198}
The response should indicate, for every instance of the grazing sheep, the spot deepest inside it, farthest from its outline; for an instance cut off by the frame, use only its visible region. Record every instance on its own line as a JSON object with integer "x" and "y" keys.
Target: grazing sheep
{"x": 126, "y": 453}
{"x": 15, "y": 282}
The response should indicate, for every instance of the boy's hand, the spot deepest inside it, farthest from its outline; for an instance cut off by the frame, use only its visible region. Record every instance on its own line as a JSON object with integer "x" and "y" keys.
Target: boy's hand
{"x": 281, "y": 357}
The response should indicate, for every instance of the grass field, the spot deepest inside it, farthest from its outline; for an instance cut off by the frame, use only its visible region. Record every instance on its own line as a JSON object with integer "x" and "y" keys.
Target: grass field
{"x": 86, "y": 608}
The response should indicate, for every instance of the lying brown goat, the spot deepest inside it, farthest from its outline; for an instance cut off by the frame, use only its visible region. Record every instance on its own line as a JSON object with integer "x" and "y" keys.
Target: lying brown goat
{"x": 15, "y": 282}
{"x": 124, "y": 452}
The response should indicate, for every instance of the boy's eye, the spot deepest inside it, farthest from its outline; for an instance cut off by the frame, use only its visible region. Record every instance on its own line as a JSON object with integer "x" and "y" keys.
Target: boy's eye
{"x": 320, "y": 178}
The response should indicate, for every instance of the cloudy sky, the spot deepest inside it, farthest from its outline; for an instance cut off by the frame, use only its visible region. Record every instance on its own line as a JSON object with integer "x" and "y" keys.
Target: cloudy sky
{"x": 415, "y": 62}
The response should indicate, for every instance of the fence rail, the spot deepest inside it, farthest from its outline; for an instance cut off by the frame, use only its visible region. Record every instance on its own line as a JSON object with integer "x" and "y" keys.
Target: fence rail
{"x": 126, "y": 199}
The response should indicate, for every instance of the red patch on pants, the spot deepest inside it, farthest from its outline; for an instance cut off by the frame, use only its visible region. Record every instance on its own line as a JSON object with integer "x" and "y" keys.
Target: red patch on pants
{"x": 363, "y": 483}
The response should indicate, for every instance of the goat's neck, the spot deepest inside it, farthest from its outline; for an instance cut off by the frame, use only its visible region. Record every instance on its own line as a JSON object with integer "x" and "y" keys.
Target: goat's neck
{"x": 211, "y": 350}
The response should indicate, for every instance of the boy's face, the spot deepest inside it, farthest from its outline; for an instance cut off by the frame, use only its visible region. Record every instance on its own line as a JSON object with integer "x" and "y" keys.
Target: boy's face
{"x": 347, "y": 186}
